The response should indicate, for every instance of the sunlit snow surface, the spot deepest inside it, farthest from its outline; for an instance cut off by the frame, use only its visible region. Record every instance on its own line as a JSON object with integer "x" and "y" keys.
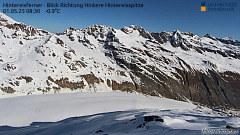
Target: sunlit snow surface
{"x": 112, "y": 113}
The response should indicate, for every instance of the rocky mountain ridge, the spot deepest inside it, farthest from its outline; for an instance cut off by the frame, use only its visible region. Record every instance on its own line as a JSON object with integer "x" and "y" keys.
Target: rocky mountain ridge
{"x": 177, "y": 65}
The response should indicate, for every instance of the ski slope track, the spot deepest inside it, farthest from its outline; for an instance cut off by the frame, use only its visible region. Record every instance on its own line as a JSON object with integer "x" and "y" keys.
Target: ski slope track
{"x": 176, "y": 65}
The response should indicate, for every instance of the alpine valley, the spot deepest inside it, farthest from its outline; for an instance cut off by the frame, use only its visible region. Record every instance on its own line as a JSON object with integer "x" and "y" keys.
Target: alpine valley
{"x": 176, "y": 65}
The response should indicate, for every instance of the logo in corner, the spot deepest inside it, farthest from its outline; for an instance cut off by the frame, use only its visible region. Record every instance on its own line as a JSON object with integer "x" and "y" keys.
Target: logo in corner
{"x": 218, "y": 6}
{"x": 203, "y": 6}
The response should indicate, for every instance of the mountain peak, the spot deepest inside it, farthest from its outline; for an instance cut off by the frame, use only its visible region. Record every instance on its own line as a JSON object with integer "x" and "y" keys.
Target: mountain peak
{"x": 99, "y": 26}
{"x": 177, "y": 31}
{"x": 210, "y": 36}
{"x": 6, "y": 19}
{"x": 144, "y": 33}
{"x": 135, "y": 27}
{"x": 229, "y": 39}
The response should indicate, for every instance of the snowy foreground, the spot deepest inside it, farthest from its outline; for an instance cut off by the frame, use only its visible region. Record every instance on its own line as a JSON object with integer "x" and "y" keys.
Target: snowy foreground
{"x": 112, "y": 113}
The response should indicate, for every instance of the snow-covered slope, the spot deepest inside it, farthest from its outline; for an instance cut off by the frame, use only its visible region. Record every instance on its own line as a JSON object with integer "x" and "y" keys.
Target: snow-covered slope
{"x": 55, "y": 107}
{"x": 111, "y": 113}
{"x": 177, "y": 65}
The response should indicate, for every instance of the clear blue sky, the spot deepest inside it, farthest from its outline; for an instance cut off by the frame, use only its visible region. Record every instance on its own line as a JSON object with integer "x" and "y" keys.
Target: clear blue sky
{"x": 155, "y": 16}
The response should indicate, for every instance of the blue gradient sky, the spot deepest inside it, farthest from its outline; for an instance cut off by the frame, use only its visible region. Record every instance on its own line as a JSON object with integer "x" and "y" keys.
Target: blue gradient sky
{"x": 155, "y": 16}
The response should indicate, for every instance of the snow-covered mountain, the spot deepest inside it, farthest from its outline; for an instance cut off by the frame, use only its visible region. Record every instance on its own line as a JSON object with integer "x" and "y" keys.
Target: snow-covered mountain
{"x": 177, "y": 65}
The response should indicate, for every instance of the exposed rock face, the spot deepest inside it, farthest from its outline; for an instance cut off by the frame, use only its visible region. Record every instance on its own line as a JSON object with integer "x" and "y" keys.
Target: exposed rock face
{"x": 124, "y": 86}
{"x": 65, "y": 83}
{"x": 8, "y": 89}
{"x": 178, "y": 41}
{"x": 211, "y": 89}
{"x": 177, "y": 65}
{"x": 161, "y": 37}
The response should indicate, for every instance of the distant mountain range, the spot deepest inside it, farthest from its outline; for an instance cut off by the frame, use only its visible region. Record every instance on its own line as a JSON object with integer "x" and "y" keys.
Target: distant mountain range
{"x": 176, "y": 65}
